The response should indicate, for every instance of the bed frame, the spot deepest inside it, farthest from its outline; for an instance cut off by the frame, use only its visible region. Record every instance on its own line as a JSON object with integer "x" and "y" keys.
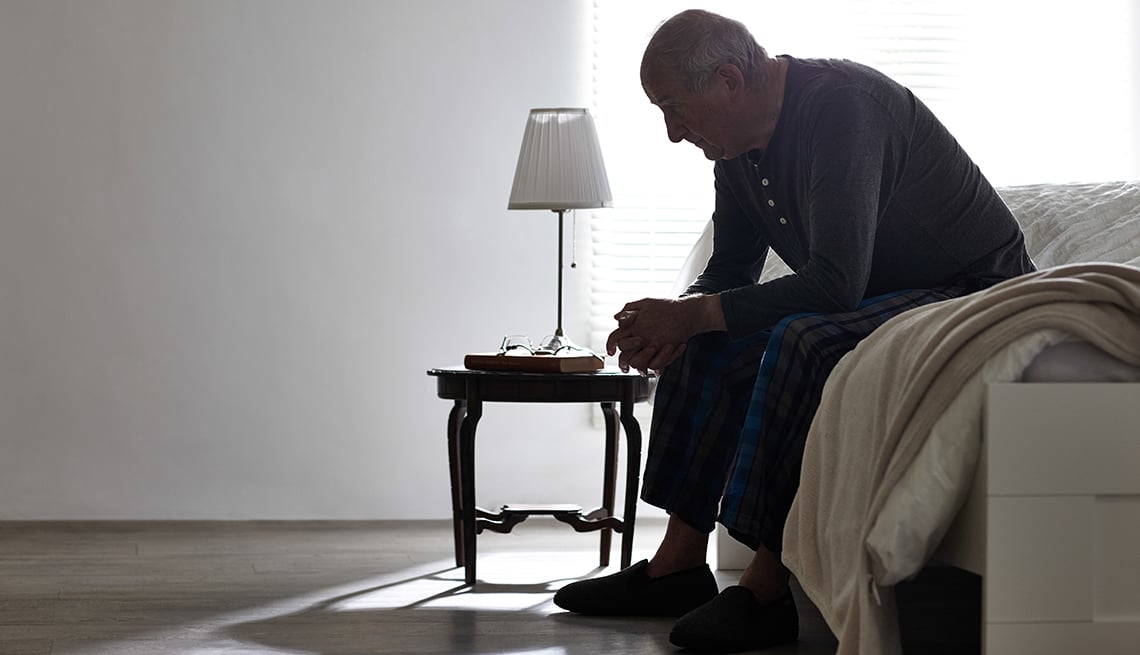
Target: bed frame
{"x": 1052, "y": 523}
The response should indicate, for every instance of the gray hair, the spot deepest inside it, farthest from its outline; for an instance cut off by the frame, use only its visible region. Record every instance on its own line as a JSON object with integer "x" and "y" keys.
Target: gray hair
{"x": 694, "y": 42}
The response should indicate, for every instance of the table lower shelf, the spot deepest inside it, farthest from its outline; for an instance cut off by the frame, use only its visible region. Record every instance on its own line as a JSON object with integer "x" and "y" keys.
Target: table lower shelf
{"x": 504, "y": 520}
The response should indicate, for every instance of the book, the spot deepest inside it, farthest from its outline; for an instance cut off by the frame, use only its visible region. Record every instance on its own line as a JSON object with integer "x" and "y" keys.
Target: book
{"x": 533, "y": 363}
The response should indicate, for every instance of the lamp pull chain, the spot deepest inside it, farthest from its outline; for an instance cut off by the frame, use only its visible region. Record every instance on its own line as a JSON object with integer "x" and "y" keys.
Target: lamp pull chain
{"x": 573, "y": 239}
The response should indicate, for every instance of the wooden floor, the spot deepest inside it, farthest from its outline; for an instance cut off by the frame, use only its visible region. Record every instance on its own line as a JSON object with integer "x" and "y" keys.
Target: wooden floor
{"x": 312, "y": 587}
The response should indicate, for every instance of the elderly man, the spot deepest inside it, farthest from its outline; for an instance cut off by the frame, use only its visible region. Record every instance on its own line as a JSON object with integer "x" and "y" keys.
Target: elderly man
{"x": 875, "y": 207}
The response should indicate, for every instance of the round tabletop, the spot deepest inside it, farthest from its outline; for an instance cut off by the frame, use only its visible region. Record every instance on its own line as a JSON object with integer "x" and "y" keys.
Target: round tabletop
{"x": 605, "y": 385}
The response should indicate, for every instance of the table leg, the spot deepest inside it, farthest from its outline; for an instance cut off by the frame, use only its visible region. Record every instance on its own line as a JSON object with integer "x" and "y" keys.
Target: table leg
{"x": 609, "y": 478}
{"x": 632, "y": 473}
{"x": 458, "y": 412}
{"x": 467, "y": 476}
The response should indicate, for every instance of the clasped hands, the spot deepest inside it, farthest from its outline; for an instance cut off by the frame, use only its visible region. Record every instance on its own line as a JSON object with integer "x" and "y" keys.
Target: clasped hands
{"x": 652, "y": 332}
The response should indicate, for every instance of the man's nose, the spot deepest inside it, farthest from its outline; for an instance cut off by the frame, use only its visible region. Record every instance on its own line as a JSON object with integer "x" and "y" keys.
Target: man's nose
{"x": 675, "y": 129}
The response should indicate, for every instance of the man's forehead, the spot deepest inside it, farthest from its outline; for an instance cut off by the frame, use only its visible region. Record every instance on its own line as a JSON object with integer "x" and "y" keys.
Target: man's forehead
{"x": 662, "y": 90}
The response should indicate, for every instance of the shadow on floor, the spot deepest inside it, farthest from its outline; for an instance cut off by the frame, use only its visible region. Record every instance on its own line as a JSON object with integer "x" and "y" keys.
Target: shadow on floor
{"x": 437, "y": 613}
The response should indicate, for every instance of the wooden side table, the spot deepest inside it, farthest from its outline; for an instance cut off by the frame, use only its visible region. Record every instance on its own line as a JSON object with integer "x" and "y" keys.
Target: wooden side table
{"x": 470, "y": 389}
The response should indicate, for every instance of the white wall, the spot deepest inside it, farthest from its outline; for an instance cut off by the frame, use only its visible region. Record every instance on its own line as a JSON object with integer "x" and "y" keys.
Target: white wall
{"x": 234, "y": 235}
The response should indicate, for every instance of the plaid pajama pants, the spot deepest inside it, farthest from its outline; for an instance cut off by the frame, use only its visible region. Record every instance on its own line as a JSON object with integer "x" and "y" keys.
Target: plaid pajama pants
{"x": 730, "y": 417}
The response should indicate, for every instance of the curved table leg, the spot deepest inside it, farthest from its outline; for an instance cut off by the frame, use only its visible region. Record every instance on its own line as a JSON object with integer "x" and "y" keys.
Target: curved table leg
{"x": 458, "y": 412}
{"x": 609, "y": 479}
{"x": 632, "y": 473}
{"x": 467, "y": 477}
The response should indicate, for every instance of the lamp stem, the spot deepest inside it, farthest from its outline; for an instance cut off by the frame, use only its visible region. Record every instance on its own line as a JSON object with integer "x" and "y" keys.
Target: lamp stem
{"x": 559, "y": 332}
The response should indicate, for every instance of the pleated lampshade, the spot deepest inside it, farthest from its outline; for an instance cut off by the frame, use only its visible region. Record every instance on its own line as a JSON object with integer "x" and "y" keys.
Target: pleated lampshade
{"x": 560, "y": 163}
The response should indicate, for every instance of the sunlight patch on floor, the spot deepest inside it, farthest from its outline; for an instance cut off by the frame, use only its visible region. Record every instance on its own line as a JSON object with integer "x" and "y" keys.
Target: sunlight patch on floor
{"x": 506, "y": 581}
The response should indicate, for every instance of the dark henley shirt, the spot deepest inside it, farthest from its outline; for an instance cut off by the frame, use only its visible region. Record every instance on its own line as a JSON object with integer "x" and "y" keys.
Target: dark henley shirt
{"x": 861, "y": 191}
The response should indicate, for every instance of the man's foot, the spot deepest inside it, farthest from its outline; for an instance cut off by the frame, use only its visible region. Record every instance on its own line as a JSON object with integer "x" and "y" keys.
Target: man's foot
{"x": 734, "y": 621}
{"x": 632, "y": 592}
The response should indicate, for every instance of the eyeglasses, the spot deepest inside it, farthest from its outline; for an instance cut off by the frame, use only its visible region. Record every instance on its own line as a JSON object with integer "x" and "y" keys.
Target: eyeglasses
{"x": 516, "y": 344}
{"x": 520, "y": 345}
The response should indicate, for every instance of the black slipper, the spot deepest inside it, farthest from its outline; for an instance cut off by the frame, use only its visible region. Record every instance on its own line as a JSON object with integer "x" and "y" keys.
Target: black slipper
{"x": 735, "y": 621}
{"x": 632, "y": 592}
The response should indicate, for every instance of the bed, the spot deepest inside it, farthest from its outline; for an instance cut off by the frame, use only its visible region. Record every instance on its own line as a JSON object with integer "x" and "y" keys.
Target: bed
{"x": 1019, "y": 461}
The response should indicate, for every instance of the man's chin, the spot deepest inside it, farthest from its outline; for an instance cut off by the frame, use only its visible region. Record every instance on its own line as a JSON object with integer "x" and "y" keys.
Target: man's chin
{"x": 713, "y": 154}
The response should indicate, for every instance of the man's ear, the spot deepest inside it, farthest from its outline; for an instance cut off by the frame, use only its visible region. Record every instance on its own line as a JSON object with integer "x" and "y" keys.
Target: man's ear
{"x": 731, "y": 77}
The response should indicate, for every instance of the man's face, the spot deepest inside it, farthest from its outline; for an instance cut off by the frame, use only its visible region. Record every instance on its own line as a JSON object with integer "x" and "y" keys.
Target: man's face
{"x": 698, "y": 118}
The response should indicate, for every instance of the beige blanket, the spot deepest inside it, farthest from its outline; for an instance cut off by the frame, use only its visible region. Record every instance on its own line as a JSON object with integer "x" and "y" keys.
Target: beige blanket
{"x": 881, "y": 401}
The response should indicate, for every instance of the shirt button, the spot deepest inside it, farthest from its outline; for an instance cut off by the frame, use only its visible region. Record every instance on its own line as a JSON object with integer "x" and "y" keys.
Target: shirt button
{"x": 783, "y": 221}
{"x": 764, "y": 181}
{"x": 771, "y": 203}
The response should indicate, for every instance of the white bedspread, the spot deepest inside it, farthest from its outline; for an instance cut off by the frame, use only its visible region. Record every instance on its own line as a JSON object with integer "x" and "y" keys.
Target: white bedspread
{"x": 886, "y": 397}
{"x": 1072, "y": 223}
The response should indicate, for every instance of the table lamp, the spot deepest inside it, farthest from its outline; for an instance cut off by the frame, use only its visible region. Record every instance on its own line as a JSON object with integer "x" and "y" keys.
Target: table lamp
{"x": 560, "y": 168}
